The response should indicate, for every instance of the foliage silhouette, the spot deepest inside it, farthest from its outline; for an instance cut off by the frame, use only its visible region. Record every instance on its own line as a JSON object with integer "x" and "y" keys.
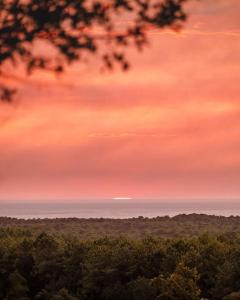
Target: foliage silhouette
{"x": 76, "y": 28}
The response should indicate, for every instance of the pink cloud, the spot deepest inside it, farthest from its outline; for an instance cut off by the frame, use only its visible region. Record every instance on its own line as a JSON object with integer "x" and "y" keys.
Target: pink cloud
{"x": 168, "y": 128}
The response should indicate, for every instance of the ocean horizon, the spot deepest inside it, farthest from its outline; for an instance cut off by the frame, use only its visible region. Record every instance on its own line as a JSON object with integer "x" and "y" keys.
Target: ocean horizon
{"x": 115, "y": 210}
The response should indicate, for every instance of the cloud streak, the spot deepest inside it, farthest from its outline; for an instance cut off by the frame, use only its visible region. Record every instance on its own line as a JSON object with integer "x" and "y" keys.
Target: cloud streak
{"x": 168, "y": 128}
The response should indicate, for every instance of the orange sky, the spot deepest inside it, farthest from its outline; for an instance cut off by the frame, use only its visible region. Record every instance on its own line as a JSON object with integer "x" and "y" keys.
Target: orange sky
{"x": 169, "y": 128}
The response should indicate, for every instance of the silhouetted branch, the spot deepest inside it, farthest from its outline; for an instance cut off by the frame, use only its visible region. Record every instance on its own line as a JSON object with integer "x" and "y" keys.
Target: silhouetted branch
{"x": 74, "y": 28}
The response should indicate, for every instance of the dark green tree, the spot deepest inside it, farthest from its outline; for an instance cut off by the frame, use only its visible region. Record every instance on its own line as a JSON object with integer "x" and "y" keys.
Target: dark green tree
{"x": 63, "y": 294}
{"x": 181, "y": 285}
{"x": 142, "y": 289}
{"x": 42, "y": 295}
{"x": 233, "y": 296}
{"x": 17, "y": 287}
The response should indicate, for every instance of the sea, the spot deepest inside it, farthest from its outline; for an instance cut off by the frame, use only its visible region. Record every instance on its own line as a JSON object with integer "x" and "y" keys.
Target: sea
{"x": 116, "y": 209}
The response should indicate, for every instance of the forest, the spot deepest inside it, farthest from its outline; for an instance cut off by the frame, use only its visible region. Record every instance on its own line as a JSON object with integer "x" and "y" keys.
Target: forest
{"x": 178, "y": 226}
{"x": 55, "y": 260}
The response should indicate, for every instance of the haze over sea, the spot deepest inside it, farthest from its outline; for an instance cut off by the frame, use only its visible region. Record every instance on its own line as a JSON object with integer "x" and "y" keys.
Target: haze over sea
{"x": 116, "y": 209}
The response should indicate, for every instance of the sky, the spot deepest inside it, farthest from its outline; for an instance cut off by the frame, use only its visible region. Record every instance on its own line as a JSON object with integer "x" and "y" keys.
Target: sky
{"x": 167, "y": 129}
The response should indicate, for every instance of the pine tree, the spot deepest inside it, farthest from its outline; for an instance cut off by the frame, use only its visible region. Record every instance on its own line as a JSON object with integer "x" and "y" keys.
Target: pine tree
{"x": 18, "y": 288}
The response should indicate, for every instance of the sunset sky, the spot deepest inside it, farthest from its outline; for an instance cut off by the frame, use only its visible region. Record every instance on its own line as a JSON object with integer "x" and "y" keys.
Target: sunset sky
{"x": 168, "y": 128}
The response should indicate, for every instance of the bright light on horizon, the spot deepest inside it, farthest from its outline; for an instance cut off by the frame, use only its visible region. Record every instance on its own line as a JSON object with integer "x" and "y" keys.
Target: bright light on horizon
{"x": 122, "y": 198}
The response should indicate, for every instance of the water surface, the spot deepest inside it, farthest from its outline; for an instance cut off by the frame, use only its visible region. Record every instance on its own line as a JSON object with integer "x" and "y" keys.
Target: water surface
{"x": 110, "y": 209}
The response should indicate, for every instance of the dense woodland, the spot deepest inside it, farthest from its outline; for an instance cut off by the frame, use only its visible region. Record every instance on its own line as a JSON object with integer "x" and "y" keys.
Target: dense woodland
{"x": 178, "y": 226}
{"x": 55, "y": 259}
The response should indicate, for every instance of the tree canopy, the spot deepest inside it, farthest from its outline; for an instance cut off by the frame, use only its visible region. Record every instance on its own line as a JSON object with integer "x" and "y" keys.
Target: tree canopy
{"x": 63, "y": 267}
{"x": 76, "y": 28}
